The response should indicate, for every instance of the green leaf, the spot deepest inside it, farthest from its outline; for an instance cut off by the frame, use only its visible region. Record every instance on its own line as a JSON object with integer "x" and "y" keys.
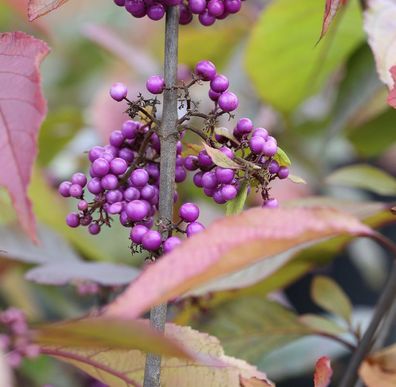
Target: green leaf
{"x": 375, "y": 136}
{"x": 57, "y": 130}
{"x": 227, "y": 134}
{"x": 220, "y": 159}
{"x": 328, "y": 295}
{"x": 321, "y": 324}
{"x": 282, "y": 158}
{"x": 297, "y": 179}
{"x": 236, "y": 205}
{"x": 282, "y": 60}
{"x": 364, "y": 177}
{"x": 251, "y": 327}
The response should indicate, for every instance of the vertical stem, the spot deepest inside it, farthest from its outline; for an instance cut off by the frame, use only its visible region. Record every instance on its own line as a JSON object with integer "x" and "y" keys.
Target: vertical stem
{"x": 168, "y": 135}
{"x": 383, "y": 305}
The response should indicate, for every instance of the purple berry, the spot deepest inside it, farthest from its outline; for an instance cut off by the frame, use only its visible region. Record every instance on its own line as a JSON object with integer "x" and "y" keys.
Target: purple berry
{"x": 256, "y": 144}
{"x": 197, "y": 179}
{"x": 100, "y": 167}
{"x": 224, "y": 175}
{"x": 127, "y": 154}
{"x": 270, "y": 147}
{"x": 244, "y": 126}
{"x": 95, "y": 186}
{"x": 148, "y": 192}
{"x": 153, "y": 171}
{"x": 120, "y": 3}
{"x": 218, "y": 197}
{"x": 227, "y": 151}
{"x": 152, "y": 240}
{"x": 155, "y": 84}
{"x": 204, "y": 159}
{"x": 209, "y": 191}
{"x": 131, "y": 193}
{"x": 261, "y": 132}
{"x": 186, "y": 15}
{"x": 229, "y": 192}
{"x": 213, "y": 95}
{"x": 205, "y": 70}
{"x": 82, "y": 205}
{"x": 228, "y": 101}
{"x": 273, "y": 167}
{"x": 137, "y": 210}
{"x": 232, "y": 6}
{"x": 130, "y": 129}
{"x": 118, "y": 91}
{"x": 219, "y": 83}
{"x": 118, "y": 166}
{"x": 156, "y": 12}
{"x": 171, "y": 243}
{"x": 115, "y": 208}
{"x": 79, "y": 178}
{"x": 189, "y": 212}
{"x": 73, "y": 220}
{"x": 64, "y": 188}
{"x": 139, "y": 177}
{"x": 191, "y": 163}
{"x": 283, "y": 173}
{"x": 76, "y": 190}
{"x": 137, "y": 233}
{"x": 114, "y": 196}
{"x": 215, "y": 8}
{"x": 197, "y": 6}
{"x": 94, "y": 229}
{"x": 180, "y": 174}
{"x": 209, "y": 180}
{"x": 116, "y": 139}
{"x": 109, "y": 181}
{"x": 206, "y": 19}
{"x": 194, "y": 228}
{"x": 95, "y": 153}
{"x": 271, "y": 203}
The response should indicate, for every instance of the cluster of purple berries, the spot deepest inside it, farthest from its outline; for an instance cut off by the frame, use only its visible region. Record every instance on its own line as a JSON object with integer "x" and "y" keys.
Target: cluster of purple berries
{"x": 15, "y": 340}
{"x": 208, "y": 11}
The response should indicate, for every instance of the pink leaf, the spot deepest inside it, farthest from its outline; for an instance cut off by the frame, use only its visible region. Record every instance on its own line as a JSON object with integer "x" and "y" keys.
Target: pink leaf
{"x": 323, "y": 372}
{"x": 331, "y": 9}
{"x": 392, "y": 93}
{"x": 227, "y": 246}
{"x": 22, "y": 110}
{"x": 39, "y": 8}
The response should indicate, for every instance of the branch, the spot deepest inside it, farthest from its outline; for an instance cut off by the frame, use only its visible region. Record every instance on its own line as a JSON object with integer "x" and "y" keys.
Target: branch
{"x": 384, "y": 303}
{"x": 168, "y": 136}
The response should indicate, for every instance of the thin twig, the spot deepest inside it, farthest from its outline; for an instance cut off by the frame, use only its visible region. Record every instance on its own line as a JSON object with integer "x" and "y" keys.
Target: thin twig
{"x": 168, "y": 136}
{"x": 384, "y": 303}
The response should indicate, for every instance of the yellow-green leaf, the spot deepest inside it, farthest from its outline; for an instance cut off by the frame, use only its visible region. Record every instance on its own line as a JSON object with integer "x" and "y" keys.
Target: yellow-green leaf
{"x": 282, "y": 158}
{"x": 236, "y": 205}
{"x": 220, "y": 159}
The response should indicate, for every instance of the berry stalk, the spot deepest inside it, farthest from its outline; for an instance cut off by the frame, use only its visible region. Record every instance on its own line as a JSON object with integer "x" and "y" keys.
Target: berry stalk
{"x": 168, "y": 135}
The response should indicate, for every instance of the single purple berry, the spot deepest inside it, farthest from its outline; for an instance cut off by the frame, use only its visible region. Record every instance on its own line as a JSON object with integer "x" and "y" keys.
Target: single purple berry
{"x": 95, "y": 153}
{"x": 130, "y": 129}
{"x": 95, "y": 186}
{"x": 270, "y": 147}
{"x": 215, "y": 7}
{"x": 219, "y": 83}
{"x": 137, "y": 210}
{"x": 82, "y": 205}
{"x": 120, "y": 3}
{"x": 64, "y": 188}
{"x": 197, "y": 179}
{"x": 76, "y": 190}
{"x": 205, "y": 70}
{"x": 148, "y": 192}
{"x": 171, "y": 243}
{"x": 227, "y": 151}
{"x": 213, "y": 95}
{"x": 180, "y": 174}
{"x": 261, "y": 132}
{"x": 271, "y": 203}
{"x": 156, "y": 12}
{"x": 209, "y": 191}
{"x": 229, "y": 192}
{"x": 256, "y": 144}
{"x": 218, "y": 197}
{"x": 118, "y": 91}
{"x": 137, "y": 233}
{"x": 139, "y": 177}
{"x": 209, "y": 180}
{"x": 151, "y": 240}
{"x": 191, "y": 163}
{"x": 94, "y": 229}
{"x": 100, "y": 167}
{"x": 118, "y": 166}
{"x": 155, "y": 84}
{"x": 273, "y": 167}
{"x": 283, "y": 173}
{"x": 197, "y": 6}
{"x": 73, "y": 220}
{"x": 114, "y": 196}
{"x": 189, "y": 212}
{"x": 86, "y": 220}
{"x": 228, "y": 101}
{"x": 224, "y": 175}
{"x": 109, "y": 181}
{"x": 204, "y": 159}
{"x": 232, "y": 6}
{"x": 194, "y": 228}
{"x": 244, "y": 126}
{"x": 131, "y": 193}
{"x": 206, "y": 19}
{"x": 127, "y": 154}
{"x": 153, "y": 171}
{"x": 186, "y": 15}
{"x": 115, "y": 208}
{"x": 136, "y": 7}
{"x": 79, "y": 178}
{"x": 116, "y": 139}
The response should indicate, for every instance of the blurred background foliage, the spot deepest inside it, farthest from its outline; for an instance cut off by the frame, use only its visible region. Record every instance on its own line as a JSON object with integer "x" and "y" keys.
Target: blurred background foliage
{"x": 323, "y": 101}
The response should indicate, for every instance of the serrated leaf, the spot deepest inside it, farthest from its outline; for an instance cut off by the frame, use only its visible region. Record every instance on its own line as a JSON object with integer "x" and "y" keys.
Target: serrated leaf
{"x": 328, "y": 295}
{"x": 365, "y": 177}
{"x": 297, "y": 179}
{"x": 236, "y": 205}
{"x": 124, "y": 368}
{"x": 282, "y": 158}
{"x": 321, "y": 324}
{"x": 229, "y": 245}
{"x": 220, "y": 159}
{"x": 323, "y": 372}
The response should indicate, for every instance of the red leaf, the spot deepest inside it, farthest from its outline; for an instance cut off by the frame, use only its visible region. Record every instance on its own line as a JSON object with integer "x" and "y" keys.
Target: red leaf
{"x": 331, "y": 9}
{"x": 323, "y": 372}
{"x": 227, "y": 246}
{"x": 22, "y": 110}
{"x": 39, "y": 8}
{"x": 392, "y": 93}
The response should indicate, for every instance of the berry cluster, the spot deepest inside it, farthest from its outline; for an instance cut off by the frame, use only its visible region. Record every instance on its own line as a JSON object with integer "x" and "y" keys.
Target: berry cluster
{"x": 124, "y": 174}
{"x": 15, "y": 340}
{"x": 208, "y": 11}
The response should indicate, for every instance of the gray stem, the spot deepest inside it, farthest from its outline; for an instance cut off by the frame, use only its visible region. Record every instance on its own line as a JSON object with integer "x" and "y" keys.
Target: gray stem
{"x": 168, "y": 135}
